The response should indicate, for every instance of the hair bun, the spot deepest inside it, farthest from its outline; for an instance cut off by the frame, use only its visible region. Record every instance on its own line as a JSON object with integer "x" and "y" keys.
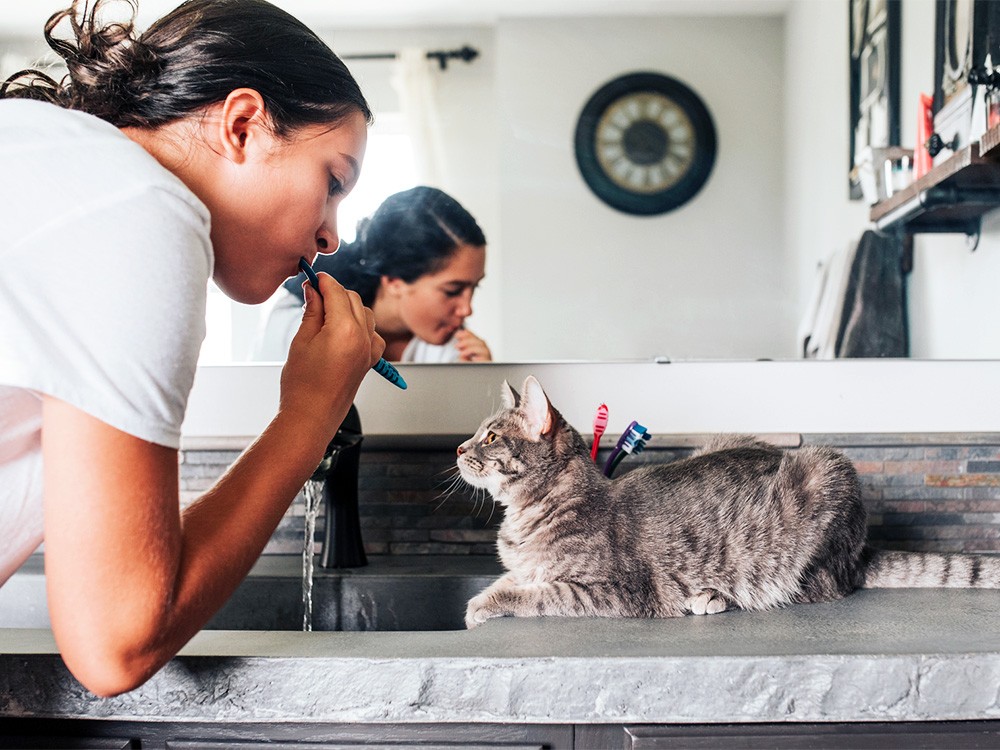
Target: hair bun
{"x": 106, "y": 63}
{"x": 191, "y": 58}
{"x": 112, "y": 70}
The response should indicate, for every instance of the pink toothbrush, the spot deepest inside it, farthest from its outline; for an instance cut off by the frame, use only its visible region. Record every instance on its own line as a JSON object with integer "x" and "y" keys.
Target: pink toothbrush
{"x": 600, "y": 425}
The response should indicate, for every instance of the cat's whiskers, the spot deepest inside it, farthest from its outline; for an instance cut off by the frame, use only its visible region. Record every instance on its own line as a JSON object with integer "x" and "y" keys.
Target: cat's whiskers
{"x": 476, "y": 500}
{"x": 450, "y": 477}
{"x": 493, "y": 507}
{"x": 480, "y": 496}
{"x": 453, "y": 482}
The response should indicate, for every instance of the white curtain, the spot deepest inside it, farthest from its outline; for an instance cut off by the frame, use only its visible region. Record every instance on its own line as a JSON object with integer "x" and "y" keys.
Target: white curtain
{"x": 415, "y": 80}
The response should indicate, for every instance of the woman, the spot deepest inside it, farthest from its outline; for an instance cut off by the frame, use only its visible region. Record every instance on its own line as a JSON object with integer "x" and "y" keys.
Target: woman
{"x": 416, "y": 262}
{"x": 218, "y": 143}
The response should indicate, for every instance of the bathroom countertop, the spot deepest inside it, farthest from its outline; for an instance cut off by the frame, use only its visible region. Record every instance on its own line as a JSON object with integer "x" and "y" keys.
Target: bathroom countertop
{"x": 891, "y": 655}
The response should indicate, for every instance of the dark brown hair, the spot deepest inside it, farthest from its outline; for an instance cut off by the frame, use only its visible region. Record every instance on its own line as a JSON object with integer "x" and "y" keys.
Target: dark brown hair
{"x": 191, "y": 58}
{"x": 412, "y": 233}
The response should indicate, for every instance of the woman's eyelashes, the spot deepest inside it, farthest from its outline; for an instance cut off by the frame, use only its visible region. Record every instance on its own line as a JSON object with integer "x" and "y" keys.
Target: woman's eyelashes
{"x": 459, "y": 290}
{"x": 336, "y": 187}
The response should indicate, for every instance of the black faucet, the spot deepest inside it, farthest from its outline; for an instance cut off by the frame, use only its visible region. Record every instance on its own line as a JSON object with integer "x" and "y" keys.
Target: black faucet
{"x": 342, "y": 545}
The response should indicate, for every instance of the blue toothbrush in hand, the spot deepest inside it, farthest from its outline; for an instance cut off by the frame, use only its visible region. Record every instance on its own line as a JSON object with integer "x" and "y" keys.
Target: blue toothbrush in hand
{"x": 382, "y": 367}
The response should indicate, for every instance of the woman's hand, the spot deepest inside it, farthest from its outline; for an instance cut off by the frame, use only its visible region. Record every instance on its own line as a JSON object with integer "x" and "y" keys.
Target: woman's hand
{"x": 471, "y": 348}
{"x": 335, "y": 347}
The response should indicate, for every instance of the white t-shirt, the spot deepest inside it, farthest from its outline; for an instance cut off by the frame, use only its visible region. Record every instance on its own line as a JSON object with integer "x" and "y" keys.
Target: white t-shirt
{"x": 419, "y": 350}
{"x": 104, "y": 261}
{"x": 282, "y": 323}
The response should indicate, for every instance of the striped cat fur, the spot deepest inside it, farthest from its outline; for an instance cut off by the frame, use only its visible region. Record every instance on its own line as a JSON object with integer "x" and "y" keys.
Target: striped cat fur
{"x": 740, "y": 524}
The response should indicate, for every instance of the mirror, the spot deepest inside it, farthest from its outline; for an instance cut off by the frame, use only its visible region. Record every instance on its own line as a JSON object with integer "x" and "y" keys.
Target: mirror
{"x": 728, "y": 275}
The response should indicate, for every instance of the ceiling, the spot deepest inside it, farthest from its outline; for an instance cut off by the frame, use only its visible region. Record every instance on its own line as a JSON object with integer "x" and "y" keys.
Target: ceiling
{"x": 25, "y": 18}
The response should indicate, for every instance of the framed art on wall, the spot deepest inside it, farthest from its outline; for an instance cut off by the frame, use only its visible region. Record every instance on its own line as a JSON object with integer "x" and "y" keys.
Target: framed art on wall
{"x": 874, "y": 79}
{"x": 966, "y": 53}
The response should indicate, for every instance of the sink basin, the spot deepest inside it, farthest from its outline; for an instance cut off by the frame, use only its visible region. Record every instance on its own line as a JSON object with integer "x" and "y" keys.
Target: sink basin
{"x": 390, "y": 593}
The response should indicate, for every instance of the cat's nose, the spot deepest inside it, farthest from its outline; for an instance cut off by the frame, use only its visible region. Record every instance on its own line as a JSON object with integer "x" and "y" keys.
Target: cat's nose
{"x": 459, "y": 450}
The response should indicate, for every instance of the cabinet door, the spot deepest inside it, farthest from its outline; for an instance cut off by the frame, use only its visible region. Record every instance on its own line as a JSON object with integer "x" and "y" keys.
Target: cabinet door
{"x": 41, "y": 742}
{"x": 194, "y": 745}
{"x": 299, "y": 736}
{"x": 958, "y": 735}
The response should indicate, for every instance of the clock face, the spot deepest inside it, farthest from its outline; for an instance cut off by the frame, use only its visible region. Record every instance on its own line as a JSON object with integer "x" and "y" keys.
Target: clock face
{"x": 645, "y": 143}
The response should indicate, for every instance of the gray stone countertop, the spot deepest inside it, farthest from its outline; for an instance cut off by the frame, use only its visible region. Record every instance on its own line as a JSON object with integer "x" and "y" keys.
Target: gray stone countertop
{"x": 890, "y": 655}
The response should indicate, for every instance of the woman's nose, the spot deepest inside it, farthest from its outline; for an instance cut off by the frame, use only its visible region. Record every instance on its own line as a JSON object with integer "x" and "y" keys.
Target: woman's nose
{"x": 464, "y": 309}
{"x": 327, "y": 238}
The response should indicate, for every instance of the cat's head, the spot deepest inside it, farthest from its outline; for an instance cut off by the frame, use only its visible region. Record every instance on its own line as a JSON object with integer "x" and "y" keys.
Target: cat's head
{"x": 527, "y": 439}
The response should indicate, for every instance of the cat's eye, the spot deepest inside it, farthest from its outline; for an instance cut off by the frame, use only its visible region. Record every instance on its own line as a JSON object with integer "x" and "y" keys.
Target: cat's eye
{"x": 489, "y": 437}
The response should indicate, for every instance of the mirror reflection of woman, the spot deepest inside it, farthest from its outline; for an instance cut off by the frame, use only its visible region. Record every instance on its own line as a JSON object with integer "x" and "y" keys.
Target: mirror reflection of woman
{"x": 416, "y": 262}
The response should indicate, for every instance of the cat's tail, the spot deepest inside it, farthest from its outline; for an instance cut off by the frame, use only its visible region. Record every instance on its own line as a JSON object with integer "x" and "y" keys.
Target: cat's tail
{"x": 884, "y": 569}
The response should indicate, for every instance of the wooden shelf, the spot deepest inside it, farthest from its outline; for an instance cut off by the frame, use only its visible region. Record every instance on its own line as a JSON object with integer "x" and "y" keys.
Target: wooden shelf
{"x": 952, "y": 197}
{"x": 989, "y": 144}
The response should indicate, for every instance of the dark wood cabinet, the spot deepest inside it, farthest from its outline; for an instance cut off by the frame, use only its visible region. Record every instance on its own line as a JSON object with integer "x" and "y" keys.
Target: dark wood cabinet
{"x": 64, "y": 734}
{"x": 794, "y": 736}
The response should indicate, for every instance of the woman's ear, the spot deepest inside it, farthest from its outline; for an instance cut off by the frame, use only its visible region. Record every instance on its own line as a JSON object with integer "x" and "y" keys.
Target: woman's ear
{"x": 244, "y": 125}
{"x": 393, "y": 286}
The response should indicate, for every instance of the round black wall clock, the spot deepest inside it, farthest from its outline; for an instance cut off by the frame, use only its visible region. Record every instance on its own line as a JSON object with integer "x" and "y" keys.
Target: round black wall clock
{"x": 645, "y": 143}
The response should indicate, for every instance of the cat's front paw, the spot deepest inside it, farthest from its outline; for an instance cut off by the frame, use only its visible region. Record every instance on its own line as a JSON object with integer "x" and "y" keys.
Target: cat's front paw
{"x": 480, "y": 609}
{"x": 706, "y": 602}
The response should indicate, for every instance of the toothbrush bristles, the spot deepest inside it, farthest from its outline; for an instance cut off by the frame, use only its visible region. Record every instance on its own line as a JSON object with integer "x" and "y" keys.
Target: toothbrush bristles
{"x": 633, "y": 440}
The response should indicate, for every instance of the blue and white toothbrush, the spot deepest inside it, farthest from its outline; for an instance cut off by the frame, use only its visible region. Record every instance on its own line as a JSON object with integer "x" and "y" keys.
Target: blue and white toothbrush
{"x": 382, "y": 367}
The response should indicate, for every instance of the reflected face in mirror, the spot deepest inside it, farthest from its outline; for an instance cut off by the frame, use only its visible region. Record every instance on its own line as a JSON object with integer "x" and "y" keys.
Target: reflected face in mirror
{"x": 435, "y": 305}
{"x": 286, "y": 209}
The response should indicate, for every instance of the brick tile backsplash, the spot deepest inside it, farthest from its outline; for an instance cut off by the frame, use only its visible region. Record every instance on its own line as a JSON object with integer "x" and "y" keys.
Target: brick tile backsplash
{"x": 921, "y": 495}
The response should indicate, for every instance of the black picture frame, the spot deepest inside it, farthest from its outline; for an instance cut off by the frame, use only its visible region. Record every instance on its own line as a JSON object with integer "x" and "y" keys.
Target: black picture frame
{"x": 981, "y": 40}
{"x": 874, "y": 62}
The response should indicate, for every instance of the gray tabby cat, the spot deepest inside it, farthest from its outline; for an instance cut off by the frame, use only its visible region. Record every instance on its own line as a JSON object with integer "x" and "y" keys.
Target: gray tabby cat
{"x": 740, "y": 524}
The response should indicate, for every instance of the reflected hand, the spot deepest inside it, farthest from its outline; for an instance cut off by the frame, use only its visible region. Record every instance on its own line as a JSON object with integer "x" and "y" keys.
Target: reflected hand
{"x": 471, "y": 348}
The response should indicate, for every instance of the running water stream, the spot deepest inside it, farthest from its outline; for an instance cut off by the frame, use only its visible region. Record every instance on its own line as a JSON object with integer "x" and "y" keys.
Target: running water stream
{"x": 313, "y": 494}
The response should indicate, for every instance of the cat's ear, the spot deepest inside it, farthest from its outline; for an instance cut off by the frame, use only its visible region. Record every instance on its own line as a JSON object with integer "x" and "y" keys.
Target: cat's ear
{"x": 508, "y": 396}
{"x": 536, "y": 409}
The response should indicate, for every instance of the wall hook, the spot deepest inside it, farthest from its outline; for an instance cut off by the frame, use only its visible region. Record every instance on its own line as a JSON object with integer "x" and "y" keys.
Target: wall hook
{"x": 972, "y": 240}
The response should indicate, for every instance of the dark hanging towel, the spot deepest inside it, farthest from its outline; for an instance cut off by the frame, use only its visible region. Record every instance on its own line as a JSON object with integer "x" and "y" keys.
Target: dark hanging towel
{"x": 873, "y": 321}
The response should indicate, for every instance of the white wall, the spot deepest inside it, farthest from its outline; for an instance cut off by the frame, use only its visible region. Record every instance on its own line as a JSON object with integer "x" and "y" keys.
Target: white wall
{"x": 231, "y": 404}
{"x": 820, "y": 218}
{"x": 953, "y": 301}
{"x": 581, "y": 280}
